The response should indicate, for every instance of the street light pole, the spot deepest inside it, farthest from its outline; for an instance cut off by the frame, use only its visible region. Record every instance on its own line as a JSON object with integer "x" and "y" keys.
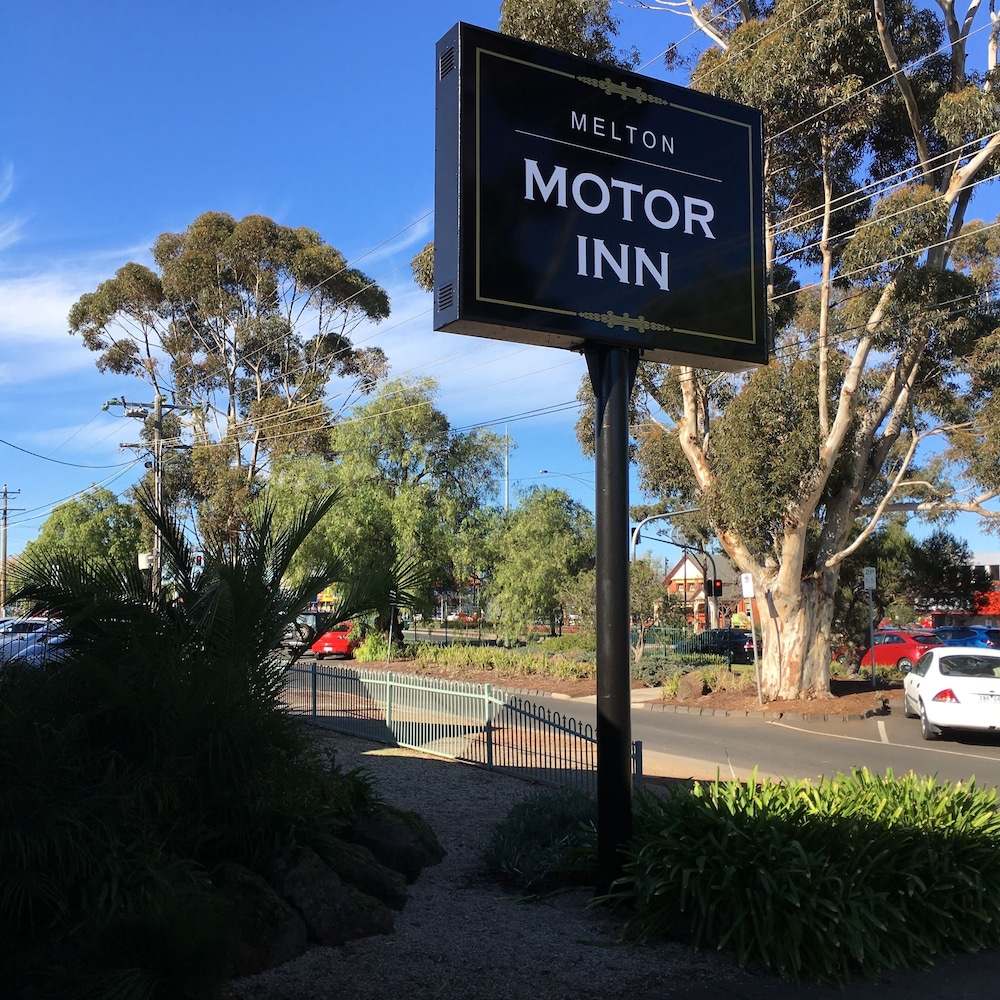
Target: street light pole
{"x": 656, "y": 517}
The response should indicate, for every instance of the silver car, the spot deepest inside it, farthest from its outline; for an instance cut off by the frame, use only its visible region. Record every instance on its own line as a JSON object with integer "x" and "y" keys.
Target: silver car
{"x": 30, "y": 640}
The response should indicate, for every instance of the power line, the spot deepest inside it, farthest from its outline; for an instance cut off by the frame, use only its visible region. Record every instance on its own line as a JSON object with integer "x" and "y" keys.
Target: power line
{"x": 58, "y": 461}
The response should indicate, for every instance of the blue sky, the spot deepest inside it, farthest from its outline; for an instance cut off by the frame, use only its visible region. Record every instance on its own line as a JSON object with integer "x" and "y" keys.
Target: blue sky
{"x": 121, "y": 121}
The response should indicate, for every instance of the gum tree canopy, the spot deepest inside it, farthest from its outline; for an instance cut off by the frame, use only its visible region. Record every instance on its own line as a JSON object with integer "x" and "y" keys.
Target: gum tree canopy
{"x": 880, "y": 396}
{"x": 248, "y": 321}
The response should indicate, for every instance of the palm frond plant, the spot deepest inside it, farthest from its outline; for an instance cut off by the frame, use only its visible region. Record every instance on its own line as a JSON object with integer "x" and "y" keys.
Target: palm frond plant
{"x": 175, "y": 749}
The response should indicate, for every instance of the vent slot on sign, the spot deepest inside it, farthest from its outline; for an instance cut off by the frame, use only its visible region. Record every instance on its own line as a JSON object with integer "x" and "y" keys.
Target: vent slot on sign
{"x": 446, "y": 296}
{"x": 446, "y": 63}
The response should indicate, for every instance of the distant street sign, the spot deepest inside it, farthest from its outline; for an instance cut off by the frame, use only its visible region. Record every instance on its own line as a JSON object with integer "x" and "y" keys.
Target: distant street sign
{"x": 746, "y": 582}
{"x": 869, "y": 577}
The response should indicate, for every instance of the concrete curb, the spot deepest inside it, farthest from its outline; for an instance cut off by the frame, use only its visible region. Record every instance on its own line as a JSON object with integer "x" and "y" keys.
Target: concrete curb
{"x": 647, "y": 699}
{"x": 762, "y": 713}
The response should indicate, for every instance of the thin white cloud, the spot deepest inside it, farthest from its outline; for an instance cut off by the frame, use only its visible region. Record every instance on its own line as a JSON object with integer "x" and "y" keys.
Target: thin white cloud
{"x": 10, "y": 228}
{"x": 6, "y": 180}
{"x": 478, "y": 378}
{"x": 33, "y": 327}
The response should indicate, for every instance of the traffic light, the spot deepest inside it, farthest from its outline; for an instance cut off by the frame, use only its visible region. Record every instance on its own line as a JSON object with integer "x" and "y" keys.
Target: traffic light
{"x": 197, "y": 560}
{"x": 713, "y": 588}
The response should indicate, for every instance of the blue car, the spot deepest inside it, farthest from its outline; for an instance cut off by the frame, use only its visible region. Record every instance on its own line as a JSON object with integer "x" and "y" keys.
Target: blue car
{"x": 983, "y": 636}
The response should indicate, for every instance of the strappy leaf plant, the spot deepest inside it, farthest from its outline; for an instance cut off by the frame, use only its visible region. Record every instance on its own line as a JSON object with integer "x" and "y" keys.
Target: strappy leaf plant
{"x": 159, "y": 746}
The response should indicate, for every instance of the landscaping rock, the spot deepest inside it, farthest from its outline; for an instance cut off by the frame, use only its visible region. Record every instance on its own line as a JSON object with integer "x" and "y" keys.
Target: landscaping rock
{"x": 691, "y": 685}
{"x": 357, "y": 866}
{"x": 398, "y": 838}
{"x": 269, "y": 932}
{"x": 333, "y": 912}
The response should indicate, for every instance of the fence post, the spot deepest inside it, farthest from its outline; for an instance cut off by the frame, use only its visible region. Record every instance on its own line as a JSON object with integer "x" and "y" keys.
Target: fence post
{"x": 388, "y": 700}
{"x": 638, "y": 782}
{"x": 488, "y": 702}
{"x": 314, "y": 689}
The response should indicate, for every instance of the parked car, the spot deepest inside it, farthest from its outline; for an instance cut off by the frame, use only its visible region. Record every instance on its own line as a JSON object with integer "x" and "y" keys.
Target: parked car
{"x": 730, "y": 642}
{"x": 898, "y": 649}
{"x": 954, "y": 687}
{"x": 302, "y": 632}
{"x": 338, "y": 641}
{"x": 30, "y": 640}
{"x": 969, "y": 635}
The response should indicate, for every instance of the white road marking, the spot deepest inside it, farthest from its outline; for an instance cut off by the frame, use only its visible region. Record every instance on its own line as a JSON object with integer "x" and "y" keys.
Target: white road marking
{"x": 915, "y": 746}
{"x": 882, "y": 732}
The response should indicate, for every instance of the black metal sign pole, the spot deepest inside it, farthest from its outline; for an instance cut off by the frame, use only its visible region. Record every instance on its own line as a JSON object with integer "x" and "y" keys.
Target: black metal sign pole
{"x": 612, "y": 372}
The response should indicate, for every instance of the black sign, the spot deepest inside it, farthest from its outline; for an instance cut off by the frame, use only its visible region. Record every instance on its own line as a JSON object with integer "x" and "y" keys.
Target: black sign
{"x": 575, "y": 202}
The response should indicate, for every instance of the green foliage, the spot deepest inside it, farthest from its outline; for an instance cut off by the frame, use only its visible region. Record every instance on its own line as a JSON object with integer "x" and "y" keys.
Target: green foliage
{"x": 912, "y": 576}
{"x": 374, "y": 648}
{"x": 422, "y": 266}
{"x": 582, "y": 27}
{"x": 532, "y": 849}
{"x": 160, "y": 747}
{"x": 96, "y": 525}
{"x": 409, "y": 484}
{"x": 569, "y": 642}
{"x": 816, "y": 880}
{"x": 547, "y": 540}
{"x": 248, "y": 321}
{"x": 507, "y": 663}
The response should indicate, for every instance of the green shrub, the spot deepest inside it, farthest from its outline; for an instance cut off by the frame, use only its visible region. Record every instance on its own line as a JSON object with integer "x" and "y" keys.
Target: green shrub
{"x": 506, "y": 663}
{"x": 819, "y": 880}
{"x": 657, "y": 671}
{"x": 570, "y": 642}
{"x": 373, "y": 648}
{"x": 533, "y": 848}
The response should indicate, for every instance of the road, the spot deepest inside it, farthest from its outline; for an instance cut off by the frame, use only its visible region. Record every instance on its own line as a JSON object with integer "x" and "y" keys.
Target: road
{"x": 681, "y": 745}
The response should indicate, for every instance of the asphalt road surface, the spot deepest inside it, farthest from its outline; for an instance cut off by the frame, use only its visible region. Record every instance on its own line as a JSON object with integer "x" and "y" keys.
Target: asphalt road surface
{"x": 682, "y": 745}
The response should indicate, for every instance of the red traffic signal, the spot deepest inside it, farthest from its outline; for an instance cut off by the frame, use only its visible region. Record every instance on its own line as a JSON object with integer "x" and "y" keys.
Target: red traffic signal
{"x": 713, "y": 588}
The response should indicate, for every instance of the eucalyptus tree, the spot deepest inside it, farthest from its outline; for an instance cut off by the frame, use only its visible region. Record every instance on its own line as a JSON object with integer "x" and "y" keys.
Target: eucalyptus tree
{"x": 411, "y": 482}
{"x": 96, "y": 524}
{"x": 877, "y": 133}
{"x": 546, "y": 541}
{"x": 243, "y": 325}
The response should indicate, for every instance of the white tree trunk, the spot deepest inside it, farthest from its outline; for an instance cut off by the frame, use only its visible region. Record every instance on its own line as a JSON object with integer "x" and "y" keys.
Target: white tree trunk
{"x": 796, "y": 631}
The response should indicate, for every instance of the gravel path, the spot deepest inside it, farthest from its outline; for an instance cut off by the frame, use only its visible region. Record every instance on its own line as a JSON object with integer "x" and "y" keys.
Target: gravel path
{"x": 462, "y": 937}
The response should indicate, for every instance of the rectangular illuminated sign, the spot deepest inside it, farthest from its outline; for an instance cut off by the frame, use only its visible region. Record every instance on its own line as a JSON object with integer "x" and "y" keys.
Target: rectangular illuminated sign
{"x": 575, "y": 202}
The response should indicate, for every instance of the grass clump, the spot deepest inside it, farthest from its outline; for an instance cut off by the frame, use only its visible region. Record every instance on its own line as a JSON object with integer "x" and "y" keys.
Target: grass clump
{"x": 856, "y": 873}
{"x": 532, "y": 849}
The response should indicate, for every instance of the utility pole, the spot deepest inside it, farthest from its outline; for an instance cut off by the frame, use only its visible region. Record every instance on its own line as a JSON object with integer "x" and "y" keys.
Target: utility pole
{"x": 3, "y": 544}
{"x": 157, "y": 571}
{"x": 142, "y": 410}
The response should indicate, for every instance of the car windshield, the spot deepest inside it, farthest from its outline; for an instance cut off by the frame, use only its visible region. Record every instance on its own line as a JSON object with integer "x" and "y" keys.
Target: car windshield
{"x": 21, "y": 628}
{"x": 969, "y": 666}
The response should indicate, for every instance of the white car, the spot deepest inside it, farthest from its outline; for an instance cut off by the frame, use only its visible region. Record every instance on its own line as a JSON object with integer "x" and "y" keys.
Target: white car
{"x": 32, "y": 640}
{"x": 954, "y": 687}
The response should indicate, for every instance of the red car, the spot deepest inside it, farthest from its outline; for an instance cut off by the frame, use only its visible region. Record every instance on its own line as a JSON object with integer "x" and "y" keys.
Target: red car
{"x": 899, "y": 649}
{"x": 337, "y": 642}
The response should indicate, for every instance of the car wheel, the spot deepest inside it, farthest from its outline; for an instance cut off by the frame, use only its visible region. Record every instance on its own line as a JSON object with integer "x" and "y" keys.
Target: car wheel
{"x": 842, "y": 658}
{"x": 319, "y": 656}
{"x": 927, "y": 731}
{"x": 905, "y": 663}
